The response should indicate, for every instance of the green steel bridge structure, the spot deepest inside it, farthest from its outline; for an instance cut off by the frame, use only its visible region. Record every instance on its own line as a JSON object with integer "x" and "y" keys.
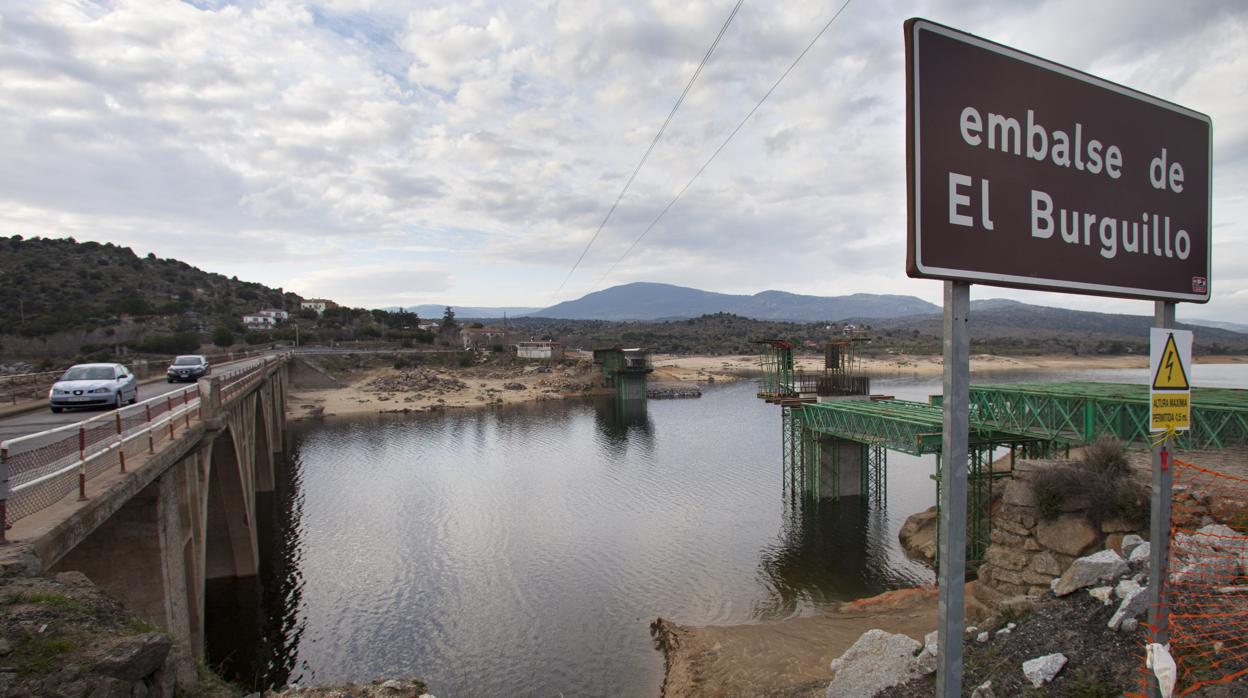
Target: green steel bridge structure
{"x": 1077, "y": 413}
{"x": 1032, "y": 420}
{"x": 879, "y": 426}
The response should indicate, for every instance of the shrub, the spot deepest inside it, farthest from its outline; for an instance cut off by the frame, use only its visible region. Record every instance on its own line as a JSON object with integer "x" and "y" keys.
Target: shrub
{"x": 222, "y": 337}
{"x": 1100, "y": 484}
{"x": 1106, "y": 456}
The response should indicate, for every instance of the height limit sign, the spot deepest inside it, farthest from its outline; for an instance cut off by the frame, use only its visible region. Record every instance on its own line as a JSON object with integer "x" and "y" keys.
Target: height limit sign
{"x": 1170, "y": 366}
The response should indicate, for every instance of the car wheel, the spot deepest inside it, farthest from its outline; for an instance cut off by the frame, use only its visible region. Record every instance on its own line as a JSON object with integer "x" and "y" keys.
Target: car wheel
{"x": 56, "y": 409}
{"x": 168, "y": 380}
{"x": 117, "y": 401}
{"x": 134, "y": 398}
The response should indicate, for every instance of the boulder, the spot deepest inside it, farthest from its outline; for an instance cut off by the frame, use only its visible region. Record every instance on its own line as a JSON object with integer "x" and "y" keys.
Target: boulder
{"x": 1221, "y": 538}
{"x": 1103, "y": 594}
{"x": 1046, "y": 562}
{"x": 918, "y": 535}
{"x": 1041, "y": 670}
{"x": 1086, "y": 571}
{"x": 876, "y": 661}
{"x": 1019, "y": 493}
{"x": 1067, "y": 534}
{"x": 926, "y": 661}
{"x": 1117, "y": 526}
{"x": 983, "y": 690}
{"x": 1125, "y": 588}
{"x": 1133, "y": 605}
{"x": 1140, "y": 554}
{"x": 1008, "y": 558}
{"x": 1130, "y": 542}
{"x": 134, "y": 658}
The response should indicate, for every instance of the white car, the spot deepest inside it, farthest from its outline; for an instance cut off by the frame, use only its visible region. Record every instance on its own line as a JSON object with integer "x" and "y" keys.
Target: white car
{"x": 86, "y": 385}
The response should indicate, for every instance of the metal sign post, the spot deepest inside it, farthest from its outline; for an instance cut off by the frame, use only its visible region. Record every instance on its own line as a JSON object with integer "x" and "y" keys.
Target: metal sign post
{"x": 957, "y": 368}
{"x": 1159, "y": 525}
{"x": 1026, "y": 173}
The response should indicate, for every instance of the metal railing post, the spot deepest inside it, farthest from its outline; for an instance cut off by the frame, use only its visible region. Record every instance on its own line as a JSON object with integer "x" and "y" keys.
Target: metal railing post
{"x": 169, "y": 409}
{"x": 151, "y": 438}
{"x": 82, "y": 463}
{"x": 4, "y": 493}
{"x": 186, "y": 400}
{"x": 121, "y": 443}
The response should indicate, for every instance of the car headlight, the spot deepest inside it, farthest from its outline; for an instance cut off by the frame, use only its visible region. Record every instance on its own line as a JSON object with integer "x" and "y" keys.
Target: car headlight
{"x": 98, "y": 390}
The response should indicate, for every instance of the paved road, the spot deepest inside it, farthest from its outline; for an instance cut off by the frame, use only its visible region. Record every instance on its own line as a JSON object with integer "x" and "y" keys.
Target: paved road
{"x": 39, "y": 420}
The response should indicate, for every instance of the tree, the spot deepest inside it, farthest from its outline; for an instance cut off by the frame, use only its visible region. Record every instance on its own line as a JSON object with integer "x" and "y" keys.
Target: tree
{"x": 222, "y": 337}
{"x": 448, "y": 320}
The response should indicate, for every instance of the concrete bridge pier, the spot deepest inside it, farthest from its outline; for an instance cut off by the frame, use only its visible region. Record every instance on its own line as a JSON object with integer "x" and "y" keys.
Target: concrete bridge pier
{"x": 841, "y": 466}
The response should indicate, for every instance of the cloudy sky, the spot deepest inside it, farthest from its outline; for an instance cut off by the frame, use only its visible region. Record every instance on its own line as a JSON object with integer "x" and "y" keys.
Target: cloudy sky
{"x": 390, "y": 152}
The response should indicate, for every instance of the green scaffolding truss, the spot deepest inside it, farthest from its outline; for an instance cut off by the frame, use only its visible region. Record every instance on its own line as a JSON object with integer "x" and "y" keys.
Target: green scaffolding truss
{"x": 1076, "y": 413}
{"x": 779, "y": 371}
{"x": 910, "y": 427}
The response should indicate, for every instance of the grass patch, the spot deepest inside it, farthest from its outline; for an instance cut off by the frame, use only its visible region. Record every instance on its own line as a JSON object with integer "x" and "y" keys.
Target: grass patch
{"x": 57, "y": 602}
{"x": 40, "y": 653}
{"x": 135, "y": 626}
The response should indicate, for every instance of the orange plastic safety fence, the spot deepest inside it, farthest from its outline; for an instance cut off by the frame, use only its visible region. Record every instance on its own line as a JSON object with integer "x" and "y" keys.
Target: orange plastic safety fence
{"x": 1207, "y": 577}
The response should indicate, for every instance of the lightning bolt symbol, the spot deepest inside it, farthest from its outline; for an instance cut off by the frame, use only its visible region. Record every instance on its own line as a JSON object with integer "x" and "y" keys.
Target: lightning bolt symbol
{"x": 1170, "y": 367}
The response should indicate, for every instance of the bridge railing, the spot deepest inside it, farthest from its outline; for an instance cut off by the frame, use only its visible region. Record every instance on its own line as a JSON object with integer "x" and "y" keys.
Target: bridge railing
{"x": 38, "y": 470}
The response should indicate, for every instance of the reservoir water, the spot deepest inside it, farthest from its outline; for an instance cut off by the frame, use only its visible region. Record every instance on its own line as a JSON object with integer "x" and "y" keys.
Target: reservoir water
{"x": 525, "y": 550}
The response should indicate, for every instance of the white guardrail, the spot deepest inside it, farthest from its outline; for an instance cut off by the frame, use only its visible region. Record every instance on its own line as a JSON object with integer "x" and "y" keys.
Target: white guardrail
{"x": 38, "y": 470}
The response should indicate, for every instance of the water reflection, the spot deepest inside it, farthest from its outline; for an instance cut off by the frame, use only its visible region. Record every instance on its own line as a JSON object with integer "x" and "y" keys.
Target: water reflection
{"x": 620, "y": 420}
{"x": 253, "y": 625}
{"x": 828, "y": 550}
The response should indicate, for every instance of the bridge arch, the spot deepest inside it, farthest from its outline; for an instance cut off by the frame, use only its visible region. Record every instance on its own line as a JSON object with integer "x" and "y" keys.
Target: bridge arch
{"x": 229, "y": 536}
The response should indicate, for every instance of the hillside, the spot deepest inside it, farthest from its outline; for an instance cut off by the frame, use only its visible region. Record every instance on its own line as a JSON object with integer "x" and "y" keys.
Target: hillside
{"x": 66, "y": 300}
{"x": 651, "y": 301}
{"x": 58, "y": 285}
{"x": 997, "y": 327}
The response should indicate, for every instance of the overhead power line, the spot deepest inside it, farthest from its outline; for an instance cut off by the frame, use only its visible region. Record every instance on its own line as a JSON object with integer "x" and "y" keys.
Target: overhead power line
{"x": 680, "y": 100}
{"x": 715, "y": 154}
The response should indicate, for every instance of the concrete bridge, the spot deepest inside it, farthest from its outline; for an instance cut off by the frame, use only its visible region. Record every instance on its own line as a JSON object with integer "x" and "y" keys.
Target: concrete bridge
{"x": 164, "y": 502}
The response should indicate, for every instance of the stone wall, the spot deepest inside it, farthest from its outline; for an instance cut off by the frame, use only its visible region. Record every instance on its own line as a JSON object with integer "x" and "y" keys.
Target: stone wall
{"x": 1029, "y": 551}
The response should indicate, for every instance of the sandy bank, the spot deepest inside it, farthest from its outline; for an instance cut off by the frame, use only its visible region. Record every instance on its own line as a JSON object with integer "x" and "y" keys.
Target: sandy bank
{"x": 700, "y": 368}
{"x": 786, "y": 658}
{"x": 428, "y": 388}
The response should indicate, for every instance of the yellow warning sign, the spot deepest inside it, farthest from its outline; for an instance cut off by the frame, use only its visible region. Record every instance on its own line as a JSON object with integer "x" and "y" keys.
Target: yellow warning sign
{"x": 1171, "y": 375}
{"x": 1170, "y": 361}
{"x": 1172, "y": 411}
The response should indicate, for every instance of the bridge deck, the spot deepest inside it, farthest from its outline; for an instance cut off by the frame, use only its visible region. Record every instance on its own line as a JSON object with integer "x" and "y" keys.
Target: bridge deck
{"x": 900, "y": 425}
{"x": 1078, "y": 412}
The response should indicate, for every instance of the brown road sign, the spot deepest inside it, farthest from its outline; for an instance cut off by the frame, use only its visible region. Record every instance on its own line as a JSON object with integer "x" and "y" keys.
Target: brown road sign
{"x": 1023, "y": 172}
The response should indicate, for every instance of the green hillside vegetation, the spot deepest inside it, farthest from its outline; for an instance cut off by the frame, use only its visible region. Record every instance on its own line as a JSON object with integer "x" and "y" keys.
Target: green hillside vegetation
{"x": 69, "y": 300}
{"x": 55, "y": 285}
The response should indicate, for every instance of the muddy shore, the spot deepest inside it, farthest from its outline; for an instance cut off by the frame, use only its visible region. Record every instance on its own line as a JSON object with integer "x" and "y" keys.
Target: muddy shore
{"x": 381, "y": 388}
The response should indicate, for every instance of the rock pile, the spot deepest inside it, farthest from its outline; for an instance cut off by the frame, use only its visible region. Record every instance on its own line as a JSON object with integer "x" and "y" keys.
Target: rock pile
{"x": 1028, "y": 551}
{"x": 416, "y": 381}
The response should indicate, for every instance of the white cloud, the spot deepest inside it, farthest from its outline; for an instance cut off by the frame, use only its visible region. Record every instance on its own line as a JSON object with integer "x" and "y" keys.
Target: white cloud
{"x": 480, "y": 143}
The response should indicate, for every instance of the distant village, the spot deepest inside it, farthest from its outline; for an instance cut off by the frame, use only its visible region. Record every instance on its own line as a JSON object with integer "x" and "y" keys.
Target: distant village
{"x": 475, "y": 337}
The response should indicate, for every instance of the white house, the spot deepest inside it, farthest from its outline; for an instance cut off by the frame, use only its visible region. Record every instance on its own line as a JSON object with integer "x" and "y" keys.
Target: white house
{"x": 320, "y": 305}
{"x": 259, "y": 321}
{"x": 548, "y": 351}
{"x": 277, "y": 315}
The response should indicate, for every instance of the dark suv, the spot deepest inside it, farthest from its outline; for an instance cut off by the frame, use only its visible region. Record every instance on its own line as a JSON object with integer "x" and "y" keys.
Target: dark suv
{"x": 187, "y": 368}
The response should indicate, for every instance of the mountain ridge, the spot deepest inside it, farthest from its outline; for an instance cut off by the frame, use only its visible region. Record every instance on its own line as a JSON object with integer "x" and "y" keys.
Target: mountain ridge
{"x": 644, "y": 300}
